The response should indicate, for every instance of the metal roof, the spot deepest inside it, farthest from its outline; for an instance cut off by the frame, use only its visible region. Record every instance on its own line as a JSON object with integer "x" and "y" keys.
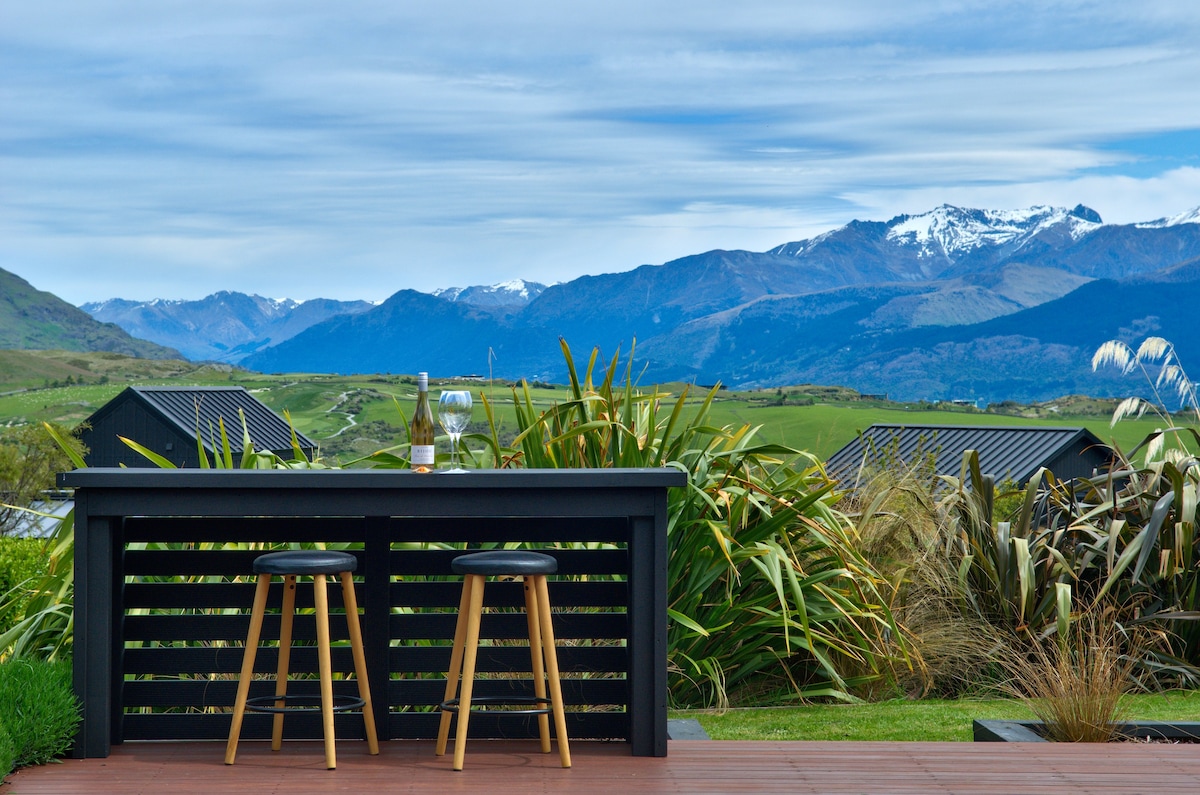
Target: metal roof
{"x": 1005, "y": 452}
{"x": 192, "y": 408}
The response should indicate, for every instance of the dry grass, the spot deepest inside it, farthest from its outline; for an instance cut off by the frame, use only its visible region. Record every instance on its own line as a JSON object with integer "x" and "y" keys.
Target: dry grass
{"x": 902, "y": 532}
{"x": 1075, "y": 685}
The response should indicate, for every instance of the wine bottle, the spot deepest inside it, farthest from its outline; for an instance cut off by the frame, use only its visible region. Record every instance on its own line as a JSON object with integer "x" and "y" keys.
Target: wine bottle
{"x": 421, "y": 450}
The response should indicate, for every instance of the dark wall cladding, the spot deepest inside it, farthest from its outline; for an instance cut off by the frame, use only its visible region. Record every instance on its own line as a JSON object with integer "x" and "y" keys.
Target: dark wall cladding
{"x": 167, "y": 420}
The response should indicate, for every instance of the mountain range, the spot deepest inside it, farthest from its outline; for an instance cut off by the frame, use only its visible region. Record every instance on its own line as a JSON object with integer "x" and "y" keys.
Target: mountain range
{"x": 225, "y": 326}
{"x": 955, "y": 303}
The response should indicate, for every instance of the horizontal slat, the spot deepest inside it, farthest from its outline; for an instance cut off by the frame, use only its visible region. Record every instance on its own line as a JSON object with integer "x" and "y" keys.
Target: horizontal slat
{"x": 594, "y": 691}
{"x": 225, "y": 595}
{"x": 192, "y": 563}
{"x": 413, "y": 593}
{"x": 567, "y": 626}
{"x": 563, "y": 594}
{"x": 234, "y": 627}
{"x": 434, "y": 659}
{"x": 240, "y": 530}
{"x": 240, "y": 562}
{"x": 485, "y": 530}
{"x": 425, "y": 530}
{"x": 349, "y": 727}
{"x": 197, "y": 693}
{"x": 203, "y": 660}
{"x": 412, "y": 626}
{"x": 425, "y": 562}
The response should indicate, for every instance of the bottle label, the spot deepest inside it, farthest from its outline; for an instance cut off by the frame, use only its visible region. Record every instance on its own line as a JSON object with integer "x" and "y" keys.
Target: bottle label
{"x": 422, "y": 455}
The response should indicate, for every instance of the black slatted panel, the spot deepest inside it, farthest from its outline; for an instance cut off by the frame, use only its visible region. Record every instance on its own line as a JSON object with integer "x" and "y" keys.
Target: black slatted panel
{"x": 187, "y": 614}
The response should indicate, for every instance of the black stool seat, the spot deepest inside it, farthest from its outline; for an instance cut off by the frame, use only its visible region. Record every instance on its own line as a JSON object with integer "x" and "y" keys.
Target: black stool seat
{"x": 504, "y": 562}
{"x": 305, "y": 561}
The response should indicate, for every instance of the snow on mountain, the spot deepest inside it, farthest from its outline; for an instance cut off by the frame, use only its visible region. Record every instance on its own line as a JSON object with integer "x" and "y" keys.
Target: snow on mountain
{"x": 515, "y": 292}
{"x": 224, "y": 326}
{"x": 949, "y": 232}
{"x": 1188, "y": 217}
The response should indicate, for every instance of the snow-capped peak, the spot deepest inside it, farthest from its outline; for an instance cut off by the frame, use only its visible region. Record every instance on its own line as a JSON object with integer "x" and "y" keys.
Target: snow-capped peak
{"x": 449, "y": 293}
{"x": 950, "y": 231}
{"x": 1188, "y": 217}
{"x": 514, "y": 291}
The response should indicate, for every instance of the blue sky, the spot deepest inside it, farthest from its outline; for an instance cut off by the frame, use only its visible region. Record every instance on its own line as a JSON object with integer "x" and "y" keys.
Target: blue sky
{"x": 349, "y": 150}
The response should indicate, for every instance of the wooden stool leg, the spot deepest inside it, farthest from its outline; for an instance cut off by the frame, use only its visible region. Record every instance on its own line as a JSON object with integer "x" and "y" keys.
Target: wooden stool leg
{"x": 286, "y": 616}
{"x": 360, "y": 660}
{"x": 536, "y": 660}
{"x": 239, "y": 705}
{"x": 556, "y": 698}
{"x": 321, "y": 597}
{"x": 452, "y": 676}
{"x": 468, "y": 674}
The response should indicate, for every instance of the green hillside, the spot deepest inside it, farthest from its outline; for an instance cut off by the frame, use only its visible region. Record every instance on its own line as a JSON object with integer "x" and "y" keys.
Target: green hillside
{"x": 31, "y": 319}
{"x": 351, "y": 416}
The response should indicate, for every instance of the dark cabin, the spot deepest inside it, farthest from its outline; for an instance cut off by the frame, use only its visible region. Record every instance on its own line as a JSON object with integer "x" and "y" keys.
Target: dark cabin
{"x": 1014, "y": 453}
{"x": 166, "y": 420}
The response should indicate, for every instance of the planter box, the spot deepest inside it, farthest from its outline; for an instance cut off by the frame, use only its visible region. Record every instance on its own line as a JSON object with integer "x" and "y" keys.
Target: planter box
{"x": 1016, "y": 731}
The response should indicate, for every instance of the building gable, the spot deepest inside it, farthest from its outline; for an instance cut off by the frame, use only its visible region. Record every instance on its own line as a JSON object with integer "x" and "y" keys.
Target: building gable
{"x": 167, "y": 420}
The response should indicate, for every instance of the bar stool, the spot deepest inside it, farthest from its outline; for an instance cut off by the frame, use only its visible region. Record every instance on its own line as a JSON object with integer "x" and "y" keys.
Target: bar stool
{"x": 290, "y": 565}
{"x": 533, "y": 568}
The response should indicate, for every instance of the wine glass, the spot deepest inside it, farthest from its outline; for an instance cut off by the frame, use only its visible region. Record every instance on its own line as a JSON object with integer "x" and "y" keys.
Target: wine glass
{"x": 454, "y": 414}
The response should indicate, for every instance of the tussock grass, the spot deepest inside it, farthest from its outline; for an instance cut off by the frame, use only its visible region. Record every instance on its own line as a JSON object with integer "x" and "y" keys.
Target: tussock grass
{"x": 1076, "y": 684}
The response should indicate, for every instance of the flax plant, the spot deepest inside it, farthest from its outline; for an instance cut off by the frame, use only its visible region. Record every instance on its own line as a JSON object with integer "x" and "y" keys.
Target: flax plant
{"x": 767, "y": 593}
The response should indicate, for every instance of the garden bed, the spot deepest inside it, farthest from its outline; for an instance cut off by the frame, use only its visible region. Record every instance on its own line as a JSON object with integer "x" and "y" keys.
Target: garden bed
{"x": 1018, "y": 731}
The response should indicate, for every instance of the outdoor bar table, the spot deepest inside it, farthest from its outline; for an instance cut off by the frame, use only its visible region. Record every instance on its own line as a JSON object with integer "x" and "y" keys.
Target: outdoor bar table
{"x": 160, "y": 620}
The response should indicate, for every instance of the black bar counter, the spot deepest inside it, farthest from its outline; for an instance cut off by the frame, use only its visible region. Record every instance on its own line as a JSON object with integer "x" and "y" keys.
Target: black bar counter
{"x": 163, "y": 589}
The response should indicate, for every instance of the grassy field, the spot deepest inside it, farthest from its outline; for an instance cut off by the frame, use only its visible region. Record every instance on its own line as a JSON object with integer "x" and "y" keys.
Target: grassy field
{"x": 351, "y": 416}
{"x": 930, "y": 720}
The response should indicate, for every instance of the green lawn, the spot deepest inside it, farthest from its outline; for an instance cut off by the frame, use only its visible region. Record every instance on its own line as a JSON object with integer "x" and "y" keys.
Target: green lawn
{"x": 926, "y": 720}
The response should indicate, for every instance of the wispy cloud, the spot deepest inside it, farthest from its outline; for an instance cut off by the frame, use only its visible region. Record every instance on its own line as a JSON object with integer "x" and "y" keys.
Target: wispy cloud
{"x": 350, "y": 150}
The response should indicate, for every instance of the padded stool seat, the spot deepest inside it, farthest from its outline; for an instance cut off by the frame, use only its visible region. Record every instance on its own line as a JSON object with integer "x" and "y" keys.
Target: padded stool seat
{"x": 302, "y": 562}
{"x": 504, "y": 563}
{"x": 291, "y": 564}
{"x": 533, "y": 568}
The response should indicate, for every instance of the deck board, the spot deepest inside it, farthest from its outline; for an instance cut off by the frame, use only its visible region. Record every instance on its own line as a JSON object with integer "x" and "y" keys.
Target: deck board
{"x": 692, "y": 766}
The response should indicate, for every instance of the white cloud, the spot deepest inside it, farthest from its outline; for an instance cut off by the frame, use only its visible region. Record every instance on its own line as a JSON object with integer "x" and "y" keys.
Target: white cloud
{"x": 351, "y": 150}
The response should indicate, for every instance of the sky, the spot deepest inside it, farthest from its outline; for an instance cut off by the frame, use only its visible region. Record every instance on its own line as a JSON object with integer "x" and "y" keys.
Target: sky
{"x": 351, "y": 149}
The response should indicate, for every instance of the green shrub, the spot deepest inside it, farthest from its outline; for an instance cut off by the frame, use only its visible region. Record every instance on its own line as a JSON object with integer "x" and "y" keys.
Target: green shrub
{"x": 8, "y": 754}
{"x": 21, "y": 559}
{"x": 38, "y": 710}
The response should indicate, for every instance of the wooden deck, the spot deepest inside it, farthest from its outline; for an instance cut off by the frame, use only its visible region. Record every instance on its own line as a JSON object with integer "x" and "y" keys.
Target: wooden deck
{"x": 693, "y": 766}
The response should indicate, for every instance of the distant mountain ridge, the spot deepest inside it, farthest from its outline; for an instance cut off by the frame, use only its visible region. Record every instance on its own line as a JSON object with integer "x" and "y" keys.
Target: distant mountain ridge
{"x": 955, "y": 303}
{"x": 223, "y": 327}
